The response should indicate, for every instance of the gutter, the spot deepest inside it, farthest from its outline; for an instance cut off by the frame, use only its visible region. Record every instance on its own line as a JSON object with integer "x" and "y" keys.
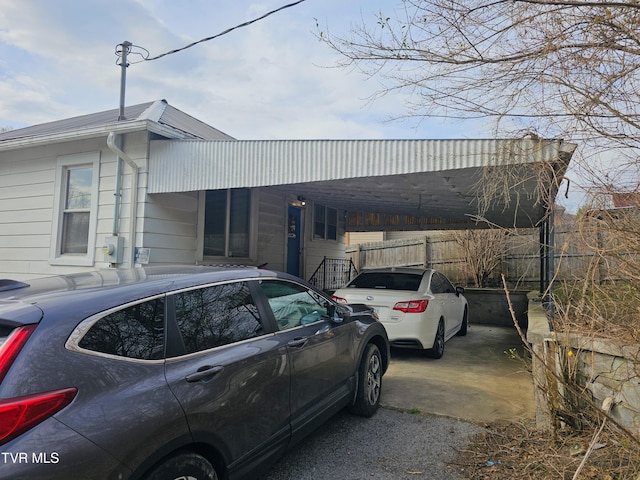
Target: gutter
{"x": 111, "y": 143}
{"x": 93, "y": 132}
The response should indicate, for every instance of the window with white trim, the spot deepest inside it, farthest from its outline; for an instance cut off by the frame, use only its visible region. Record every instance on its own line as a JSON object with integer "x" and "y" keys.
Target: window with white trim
{"x": 75, "y": 209}
{"x": 325, "y": 222}
{"x": 227, "y": 223}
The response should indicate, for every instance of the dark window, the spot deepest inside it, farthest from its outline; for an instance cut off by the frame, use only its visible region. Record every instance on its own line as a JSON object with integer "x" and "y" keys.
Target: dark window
{"x": 448, "y": 287}
{"x": 388, "y": 281}
{"x": 226, "y": 223}
{"x": 325, "y": 222}
{"x": 214, "y": 316}
{"x": 134, "y": 332}
{"x": 440, "y": 284}
{"x": 293, "y": 304}
{"x": 215, "y": 222}
{"x": 436, "y": 285}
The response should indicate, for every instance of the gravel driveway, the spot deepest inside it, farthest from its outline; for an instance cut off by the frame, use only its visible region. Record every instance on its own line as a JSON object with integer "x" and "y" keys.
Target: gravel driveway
{"x": 390, "y": 445}
{"x": 474, "y": 380}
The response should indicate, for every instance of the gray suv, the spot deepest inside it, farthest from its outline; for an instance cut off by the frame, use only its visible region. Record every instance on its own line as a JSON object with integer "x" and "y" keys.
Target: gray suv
{"x": 172, "y": 373}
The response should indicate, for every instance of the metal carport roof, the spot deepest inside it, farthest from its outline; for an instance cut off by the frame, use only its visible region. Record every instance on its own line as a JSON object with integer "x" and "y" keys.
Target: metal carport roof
{"x": 404, "y": 184}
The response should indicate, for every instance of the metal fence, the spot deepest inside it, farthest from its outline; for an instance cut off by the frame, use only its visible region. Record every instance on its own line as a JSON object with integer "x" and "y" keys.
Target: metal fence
{"x": 333, "y": 273}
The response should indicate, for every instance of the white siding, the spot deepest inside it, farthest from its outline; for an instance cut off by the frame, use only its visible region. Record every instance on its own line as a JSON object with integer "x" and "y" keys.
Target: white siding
{"x": 27, "y": 190}
{"x": 272, "y": 216}
{"x": 26, "y": 197}
{"x": 170, "y": 228}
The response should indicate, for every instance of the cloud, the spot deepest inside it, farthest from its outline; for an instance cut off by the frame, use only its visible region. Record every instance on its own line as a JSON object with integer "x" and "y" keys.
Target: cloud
{"x": 269, "y": 80}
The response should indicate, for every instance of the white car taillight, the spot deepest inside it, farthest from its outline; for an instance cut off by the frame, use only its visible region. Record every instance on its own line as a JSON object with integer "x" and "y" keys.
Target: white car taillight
{"x": 412, "y": 306}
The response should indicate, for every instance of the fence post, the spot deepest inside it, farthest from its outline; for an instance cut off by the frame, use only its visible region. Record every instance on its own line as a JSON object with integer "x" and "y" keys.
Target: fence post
{"x": 427, "y": 253}
{"x": 324, "y": 272}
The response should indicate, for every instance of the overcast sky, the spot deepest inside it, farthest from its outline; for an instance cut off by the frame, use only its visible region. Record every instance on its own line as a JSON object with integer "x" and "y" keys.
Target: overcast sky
{"x": 270, "y": 80}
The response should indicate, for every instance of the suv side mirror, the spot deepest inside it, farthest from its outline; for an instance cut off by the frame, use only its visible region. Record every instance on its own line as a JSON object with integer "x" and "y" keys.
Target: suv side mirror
{"x": 337, "y": 313}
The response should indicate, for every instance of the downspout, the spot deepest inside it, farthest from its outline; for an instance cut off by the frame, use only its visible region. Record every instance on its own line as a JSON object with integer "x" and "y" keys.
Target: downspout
{"x": 118, "y": 188}
{"x": 111, "y": 143}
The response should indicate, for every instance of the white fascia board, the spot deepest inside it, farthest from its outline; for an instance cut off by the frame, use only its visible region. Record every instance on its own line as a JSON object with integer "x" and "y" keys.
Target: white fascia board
{"x": 93, "y": 132}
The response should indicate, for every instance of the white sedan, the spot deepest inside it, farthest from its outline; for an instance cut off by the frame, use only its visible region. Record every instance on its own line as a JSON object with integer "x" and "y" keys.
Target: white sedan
{"x": 419, "y": 308}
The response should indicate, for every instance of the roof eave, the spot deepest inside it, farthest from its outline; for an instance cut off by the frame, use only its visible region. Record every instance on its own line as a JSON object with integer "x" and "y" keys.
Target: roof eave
{"x": 121, "y": 127}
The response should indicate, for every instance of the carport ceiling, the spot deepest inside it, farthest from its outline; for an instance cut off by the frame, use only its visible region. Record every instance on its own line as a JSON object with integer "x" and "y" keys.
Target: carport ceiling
{"x": 439, "y": 183}
{"x": 447, "y": 199}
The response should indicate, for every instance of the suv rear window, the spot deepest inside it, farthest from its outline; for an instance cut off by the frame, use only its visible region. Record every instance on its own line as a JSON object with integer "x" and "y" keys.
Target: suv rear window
{"x": 134, "y": 332}
{"x": 388, "y": 281}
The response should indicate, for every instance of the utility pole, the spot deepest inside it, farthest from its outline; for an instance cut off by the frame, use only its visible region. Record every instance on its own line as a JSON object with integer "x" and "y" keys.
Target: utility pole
{"x": 123, "y": 51}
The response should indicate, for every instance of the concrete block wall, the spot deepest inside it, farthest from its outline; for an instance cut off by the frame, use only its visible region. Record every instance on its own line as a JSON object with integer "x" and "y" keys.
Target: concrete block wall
{"x": 604, "y": 368}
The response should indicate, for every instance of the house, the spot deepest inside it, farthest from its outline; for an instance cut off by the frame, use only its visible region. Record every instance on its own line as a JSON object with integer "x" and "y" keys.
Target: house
{"x": 161, "y": 187}
{"x": 626, "y": 199}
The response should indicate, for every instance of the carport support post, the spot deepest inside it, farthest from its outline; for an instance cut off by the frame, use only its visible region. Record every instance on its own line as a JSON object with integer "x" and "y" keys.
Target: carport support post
{"x": 547, "y": 264}
{"x": 552, "y": 267}
{"x": 542, "y": 242}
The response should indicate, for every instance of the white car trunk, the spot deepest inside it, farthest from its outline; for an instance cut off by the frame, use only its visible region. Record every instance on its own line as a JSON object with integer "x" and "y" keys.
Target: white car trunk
{"x": 382, "y": 301}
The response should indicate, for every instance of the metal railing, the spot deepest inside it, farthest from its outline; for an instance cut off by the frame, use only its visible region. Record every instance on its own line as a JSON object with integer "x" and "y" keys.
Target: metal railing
{"x": 333, "y": 273}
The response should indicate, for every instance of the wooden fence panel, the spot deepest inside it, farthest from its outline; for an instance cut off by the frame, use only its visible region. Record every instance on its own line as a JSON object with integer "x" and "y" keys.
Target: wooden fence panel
{"x": 520, "y": 264}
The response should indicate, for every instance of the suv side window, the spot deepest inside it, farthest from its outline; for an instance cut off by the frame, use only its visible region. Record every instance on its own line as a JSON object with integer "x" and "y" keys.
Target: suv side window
{"x": 215, "y": 316}
{"x": 293, "y": 304}
{"x": 133, "y": 332}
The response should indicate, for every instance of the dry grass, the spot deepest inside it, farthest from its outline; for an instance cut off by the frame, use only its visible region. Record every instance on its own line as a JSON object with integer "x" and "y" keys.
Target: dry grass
{"x": 518, "y": 451}
{"x": 608, "y": 311}
{"x": 603, "y": 302}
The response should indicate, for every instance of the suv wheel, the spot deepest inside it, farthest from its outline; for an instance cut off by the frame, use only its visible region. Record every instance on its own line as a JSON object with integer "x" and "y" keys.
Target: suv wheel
{"x": 185, "y": 466}
{"x": 369, "y": 383}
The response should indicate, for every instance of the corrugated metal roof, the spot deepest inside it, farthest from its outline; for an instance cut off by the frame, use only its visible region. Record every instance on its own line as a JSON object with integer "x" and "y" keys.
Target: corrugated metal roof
{"x": 435, "y": 180}
{"x": 191, "y": 126}
{"x": 178, "y": 166}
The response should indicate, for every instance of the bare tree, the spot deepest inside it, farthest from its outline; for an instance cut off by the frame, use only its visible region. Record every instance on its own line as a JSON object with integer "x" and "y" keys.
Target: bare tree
{"x": 551, "y": 68}
{"x": 482, "y": 252}
{"x": 556, "y": 69}
{"x": 566, "y": 69}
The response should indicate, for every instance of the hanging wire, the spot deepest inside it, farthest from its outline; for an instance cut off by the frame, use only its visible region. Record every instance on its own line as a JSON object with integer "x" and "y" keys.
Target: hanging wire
{"x": 143, "y": 53}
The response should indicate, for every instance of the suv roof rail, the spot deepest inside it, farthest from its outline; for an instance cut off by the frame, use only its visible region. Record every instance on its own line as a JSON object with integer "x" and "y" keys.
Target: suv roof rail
{"x": 8, "y": 284}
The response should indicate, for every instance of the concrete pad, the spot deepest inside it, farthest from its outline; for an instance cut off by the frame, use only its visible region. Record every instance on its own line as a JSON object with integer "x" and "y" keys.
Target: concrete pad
{"x": 476, "y": 380}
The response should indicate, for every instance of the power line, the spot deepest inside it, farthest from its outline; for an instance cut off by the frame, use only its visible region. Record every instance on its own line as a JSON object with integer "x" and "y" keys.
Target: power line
{"x": 145, "y": 54}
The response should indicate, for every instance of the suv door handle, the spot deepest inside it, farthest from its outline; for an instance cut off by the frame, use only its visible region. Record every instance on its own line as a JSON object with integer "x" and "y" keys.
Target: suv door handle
{"x": 298, "y": 342}
{"x": 203, "y": 372}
